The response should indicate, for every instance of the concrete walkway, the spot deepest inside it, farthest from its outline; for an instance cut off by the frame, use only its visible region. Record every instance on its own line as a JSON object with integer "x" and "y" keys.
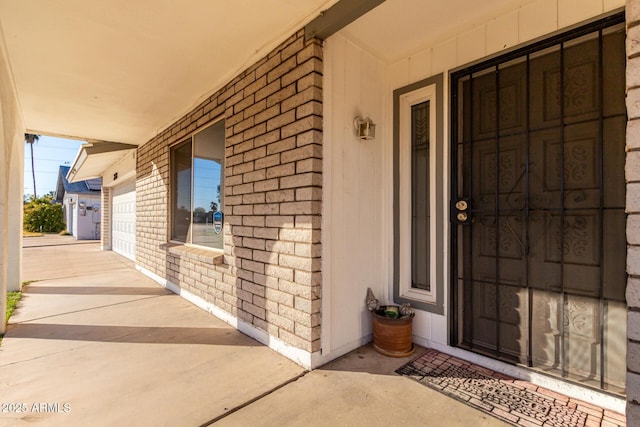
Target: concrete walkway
{"x": 94, "y": 342}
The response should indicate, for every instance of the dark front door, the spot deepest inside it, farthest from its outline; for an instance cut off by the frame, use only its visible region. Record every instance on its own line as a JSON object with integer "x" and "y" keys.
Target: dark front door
{"x": 538, "y": 217}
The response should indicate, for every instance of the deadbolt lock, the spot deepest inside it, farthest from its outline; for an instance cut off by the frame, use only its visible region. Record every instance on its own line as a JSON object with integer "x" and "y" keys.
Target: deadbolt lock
{"x": 461, "y": 211}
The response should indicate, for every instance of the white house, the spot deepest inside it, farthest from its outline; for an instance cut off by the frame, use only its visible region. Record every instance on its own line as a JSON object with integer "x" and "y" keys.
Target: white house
{"x": 500, "y": 195}
{"x": 80, "y": 205}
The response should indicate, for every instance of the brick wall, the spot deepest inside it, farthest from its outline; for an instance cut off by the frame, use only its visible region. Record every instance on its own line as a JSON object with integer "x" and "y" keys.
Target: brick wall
{"x": 105, "y": 219}
{"x": 633, "y": 211}
{"x": 269, "y": 276}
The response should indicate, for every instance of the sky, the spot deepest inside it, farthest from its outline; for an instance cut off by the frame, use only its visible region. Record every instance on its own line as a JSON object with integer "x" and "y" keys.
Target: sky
{"x": 49, "y": 154}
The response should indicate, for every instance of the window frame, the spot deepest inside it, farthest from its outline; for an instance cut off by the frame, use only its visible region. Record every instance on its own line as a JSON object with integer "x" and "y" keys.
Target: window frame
{"x": 431, "y": 90}
{"x": 173, "y": 188}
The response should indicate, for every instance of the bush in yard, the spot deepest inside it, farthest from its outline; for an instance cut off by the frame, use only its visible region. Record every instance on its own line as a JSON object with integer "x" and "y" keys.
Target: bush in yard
{"x": 41, "y": 215}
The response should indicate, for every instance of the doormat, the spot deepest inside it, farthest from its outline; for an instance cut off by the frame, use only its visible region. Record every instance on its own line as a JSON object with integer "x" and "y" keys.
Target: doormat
{"x": 514, "y": 401}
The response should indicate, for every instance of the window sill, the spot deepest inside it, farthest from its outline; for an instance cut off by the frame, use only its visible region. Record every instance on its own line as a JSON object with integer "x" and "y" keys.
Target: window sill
{"x": 207, "y": 256}
{"x": 419, "y": 296}
{"x": 419, "y": 300}
{"x": 435, "y": 308}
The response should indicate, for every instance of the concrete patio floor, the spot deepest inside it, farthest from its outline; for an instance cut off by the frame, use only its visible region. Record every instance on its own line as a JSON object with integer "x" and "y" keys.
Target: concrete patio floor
{"x": 94, "y": 342}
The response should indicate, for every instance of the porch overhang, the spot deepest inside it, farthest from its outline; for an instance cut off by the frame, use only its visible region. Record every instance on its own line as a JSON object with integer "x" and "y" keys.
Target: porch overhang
{"x": 124, "y": 71}
{"x": 94, "y": 159}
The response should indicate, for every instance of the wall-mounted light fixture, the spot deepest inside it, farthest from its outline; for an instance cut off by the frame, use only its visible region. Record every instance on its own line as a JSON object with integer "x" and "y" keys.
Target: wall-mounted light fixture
{"x": 365, "y": 128}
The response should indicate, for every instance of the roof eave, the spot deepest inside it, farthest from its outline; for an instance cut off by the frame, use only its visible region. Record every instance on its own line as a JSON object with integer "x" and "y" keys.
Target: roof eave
{"x": 94, "y": 159}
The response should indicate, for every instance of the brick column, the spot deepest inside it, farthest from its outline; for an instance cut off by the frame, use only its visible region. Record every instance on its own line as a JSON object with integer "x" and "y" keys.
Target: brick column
{"x": 632, "y": 173}
{"x": 274, "y": 180}
{"x": 105, "y": 219}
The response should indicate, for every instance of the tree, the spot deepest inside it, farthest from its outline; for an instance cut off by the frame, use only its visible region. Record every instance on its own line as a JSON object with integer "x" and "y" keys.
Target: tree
{"x": 30, "y": 138}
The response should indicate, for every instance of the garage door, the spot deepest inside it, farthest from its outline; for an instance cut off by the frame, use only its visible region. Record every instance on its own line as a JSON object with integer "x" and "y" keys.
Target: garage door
{"x": 123, "y": 220}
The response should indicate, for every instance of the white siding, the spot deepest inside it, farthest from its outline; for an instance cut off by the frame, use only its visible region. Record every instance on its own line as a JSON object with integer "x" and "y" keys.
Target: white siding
{"x": 84, "y": 223}
{"x": 354, "y": 230}
{"x": 357, "y": 187}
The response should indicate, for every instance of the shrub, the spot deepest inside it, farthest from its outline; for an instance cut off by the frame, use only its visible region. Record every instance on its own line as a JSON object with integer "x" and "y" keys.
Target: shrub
{"x": 41, "y": 215}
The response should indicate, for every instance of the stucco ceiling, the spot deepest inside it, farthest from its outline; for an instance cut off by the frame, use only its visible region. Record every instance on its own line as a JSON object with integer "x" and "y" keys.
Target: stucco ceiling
{"x": 122, "y": 70}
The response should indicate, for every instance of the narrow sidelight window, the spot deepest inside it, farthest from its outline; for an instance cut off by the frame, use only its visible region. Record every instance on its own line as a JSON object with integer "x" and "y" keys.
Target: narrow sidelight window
{"x": 420, "y": 218}
{"x": 418, "y": 183}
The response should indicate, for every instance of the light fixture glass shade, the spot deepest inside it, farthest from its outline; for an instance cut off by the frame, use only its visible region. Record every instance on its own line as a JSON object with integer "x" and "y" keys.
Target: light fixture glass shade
{"x": 365, "y": 127}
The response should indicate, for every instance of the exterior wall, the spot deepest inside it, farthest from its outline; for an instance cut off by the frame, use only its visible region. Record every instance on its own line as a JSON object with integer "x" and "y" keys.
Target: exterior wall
{"x": 633, "y": 211}
{"x": 353, "y": 87}
{"x": 87, "y": 226}
{"x": 521, "y": 25}
{"x": 355, "y": 241}
{"x": 12, "y": 158}
{"x": 268, "y": 279}
{"x": 358, "y": 187}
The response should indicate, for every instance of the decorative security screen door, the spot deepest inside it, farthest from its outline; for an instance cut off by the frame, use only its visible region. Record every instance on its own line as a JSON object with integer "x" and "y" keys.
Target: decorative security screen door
{"x": 538, "y": 222}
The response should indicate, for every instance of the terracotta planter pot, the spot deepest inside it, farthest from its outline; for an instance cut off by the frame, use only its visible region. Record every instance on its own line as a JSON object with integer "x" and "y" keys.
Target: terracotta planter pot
{"x": 392, "y": 337}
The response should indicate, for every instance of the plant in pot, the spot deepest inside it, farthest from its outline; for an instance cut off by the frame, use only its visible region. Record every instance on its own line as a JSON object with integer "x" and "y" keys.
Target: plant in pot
{"x": 392, "y": 327}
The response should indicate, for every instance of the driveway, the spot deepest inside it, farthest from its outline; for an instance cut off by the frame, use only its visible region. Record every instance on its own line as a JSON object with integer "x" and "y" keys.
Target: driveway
{"x": 94, "y": 342}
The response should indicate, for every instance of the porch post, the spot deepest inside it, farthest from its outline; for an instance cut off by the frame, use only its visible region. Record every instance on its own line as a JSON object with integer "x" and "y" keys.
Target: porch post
{"x": 4, "y": 222}
{"x": 11, "y": 165}
{"x": 15, "y": 207}
{"x": 632, "y": 174}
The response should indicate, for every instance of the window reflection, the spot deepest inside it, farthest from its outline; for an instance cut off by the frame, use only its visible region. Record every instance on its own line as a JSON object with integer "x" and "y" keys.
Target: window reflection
{"x": 181, "y": 162}
{"x": 207, "y": 176}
